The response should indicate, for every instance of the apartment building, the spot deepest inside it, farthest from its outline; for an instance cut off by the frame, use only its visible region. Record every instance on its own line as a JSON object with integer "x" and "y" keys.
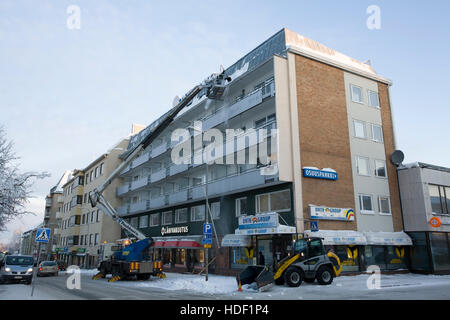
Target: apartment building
{"x": 425, "y": 194}
{"x": 83, "y": 228}
{"x": 328, "y": 139}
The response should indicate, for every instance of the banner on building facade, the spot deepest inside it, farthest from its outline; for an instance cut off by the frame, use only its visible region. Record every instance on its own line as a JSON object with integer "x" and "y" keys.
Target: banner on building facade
{"x": 328, "y": 213}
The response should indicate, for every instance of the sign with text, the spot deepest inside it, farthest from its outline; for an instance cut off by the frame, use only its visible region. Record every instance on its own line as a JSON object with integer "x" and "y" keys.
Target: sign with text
{"x": 168, "y": 230}
{"x": 328, "y": 213}
{"x": 268, "y": 220}
{"x": 320, "y": 174}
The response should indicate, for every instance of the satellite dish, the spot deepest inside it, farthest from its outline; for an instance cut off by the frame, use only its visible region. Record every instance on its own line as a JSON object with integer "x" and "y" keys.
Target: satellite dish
{"x": 175, "y": 101}
{"x": 397, "y": 157}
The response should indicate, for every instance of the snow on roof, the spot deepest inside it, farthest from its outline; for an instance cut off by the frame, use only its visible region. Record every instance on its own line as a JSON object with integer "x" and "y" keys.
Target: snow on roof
{"x": 59, "y": 186}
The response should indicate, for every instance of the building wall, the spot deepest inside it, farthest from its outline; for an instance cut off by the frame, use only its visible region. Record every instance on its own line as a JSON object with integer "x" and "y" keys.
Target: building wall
{"x": 324, "y": 138}
{"x": 367, "y": 185}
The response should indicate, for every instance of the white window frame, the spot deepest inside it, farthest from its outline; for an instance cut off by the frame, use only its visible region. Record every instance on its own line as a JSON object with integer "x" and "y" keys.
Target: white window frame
{"x": 363, "y": 211}
{"x": 193, "y": 215}
{"x": 379, "y": 206}
{"x": 371, "y": 132}
{"x": 269, "y": 202}
{"x": 376, "y": 171}
{"x": 150, "y": 223}
{"x": 368, "y": 166}
{"x": 237, "y": 203}
{"x": 177, "y": 220}
{"x": 163, "y": 214}
{"x": 368, "y": 99}
{"x": 354, "y": 129}
{"x": 140, "y": 221}
{"x": 351, "y": 93}
{"x": 217, "y": 203}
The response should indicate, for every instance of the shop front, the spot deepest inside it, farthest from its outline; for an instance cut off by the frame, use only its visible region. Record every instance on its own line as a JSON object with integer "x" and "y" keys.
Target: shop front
{"x": 431, "y": 252}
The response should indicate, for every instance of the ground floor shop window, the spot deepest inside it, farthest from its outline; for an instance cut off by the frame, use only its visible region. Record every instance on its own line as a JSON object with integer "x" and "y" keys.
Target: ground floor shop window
{"x": 199, "y": 257}
{"x": 349, "y": 256}
{"x": 419, "y": 252}
{"x": 375, "y": 255}
{"x": 396, "y": 257}
{"x": 180, "y": 256}
{"x": 240, "y": 257}
{"x": 440, "y": 251}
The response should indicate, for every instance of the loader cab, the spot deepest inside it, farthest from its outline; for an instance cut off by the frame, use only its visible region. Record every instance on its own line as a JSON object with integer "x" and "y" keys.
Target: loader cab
{"x": 309, "y": 247}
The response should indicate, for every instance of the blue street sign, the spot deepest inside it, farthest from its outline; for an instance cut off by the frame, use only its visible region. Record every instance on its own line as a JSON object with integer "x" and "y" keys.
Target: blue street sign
{"x": 42, "y": 235}
{"x": 314, "y": 225}
{"x": 66, "y": 249}
{"x": 207, "y": 228}
{"x": 207, "y": 241}
{"x": 208, "y": 235}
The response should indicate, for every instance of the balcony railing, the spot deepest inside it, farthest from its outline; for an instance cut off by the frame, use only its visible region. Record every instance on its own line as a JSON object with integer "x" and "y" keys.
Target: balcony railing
{"x": 158, "y": 175}
{"x": 138, "y": 206}
{"x": 123, "y": 189}
{"x": 159, "y": 150}
{"x": 177, "y": 168}
{"x": 179, "y": 196}
{"x": 157, "y": 202}
{"x": 139, "y": 183}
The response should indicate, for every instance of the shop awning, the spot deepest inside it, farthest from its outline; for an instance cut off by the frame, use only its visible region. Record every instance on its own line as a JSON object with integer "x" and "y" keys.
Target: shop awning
{"x": 388, "y": 238}
{"x": 186, "y": 242}
{"x": 236, "y": 240}
{"x": 280, "y": 229}
{"x": 338, "y": 237}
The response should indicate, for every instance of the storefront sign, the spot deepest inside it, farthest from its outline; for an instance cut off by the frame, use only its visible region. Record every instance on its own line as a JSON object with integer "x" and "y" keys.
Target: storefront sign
{"x": 343, "y": 214}
{"x": 269, "y": 220}
{"x": 81, "y": 250}
{"x": 167, "y": 230}
{"x": 435, "y": 222}
{"x": 320, "y": 174}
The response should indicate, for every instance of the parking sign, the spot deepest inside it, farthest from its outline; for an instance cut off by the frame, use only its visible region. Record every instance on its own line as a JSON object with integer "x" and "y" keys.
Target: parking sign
{"x": 207, "y": 228}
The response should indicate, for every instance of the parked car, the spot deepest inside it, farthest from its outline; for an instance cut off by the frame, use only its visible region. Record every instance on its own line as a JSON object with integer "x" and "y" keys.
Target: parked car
{"x": 61, "y": 265}
{"x": 48, "y": 268}
{"x": 16, "y": 268}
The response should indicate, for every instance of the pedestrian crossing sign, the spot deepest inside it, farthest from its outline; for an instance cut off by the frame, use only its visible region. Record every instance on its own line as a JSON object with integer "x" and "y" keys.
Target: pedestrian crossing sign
{"x": 42, "y": 235}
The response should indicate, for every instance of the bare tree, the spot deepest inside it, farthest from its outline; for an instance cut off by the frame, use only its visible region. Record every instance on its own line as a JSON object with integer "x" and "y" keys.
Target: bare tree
{"x": 15, "y": 187}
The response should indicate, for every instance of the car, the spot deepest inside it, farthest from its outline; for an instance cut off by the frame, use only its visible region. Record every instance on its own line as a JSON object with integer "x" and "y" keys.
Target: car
{"x": 48, "y": 268}
{"x": 61, "y": 265}
{"x": 16, "y": 268}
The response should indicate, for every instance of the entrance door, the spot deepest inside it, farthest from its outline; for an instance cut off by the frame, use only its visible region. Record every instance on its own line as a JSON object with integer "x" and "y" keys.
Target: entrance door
{"x": 265, "y": 246}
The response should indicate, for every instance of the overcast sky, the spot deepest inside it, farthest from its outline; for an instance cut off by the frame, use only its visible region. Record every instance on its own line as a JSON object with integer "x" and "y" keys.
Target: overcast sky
{"x": 66, "y": 96}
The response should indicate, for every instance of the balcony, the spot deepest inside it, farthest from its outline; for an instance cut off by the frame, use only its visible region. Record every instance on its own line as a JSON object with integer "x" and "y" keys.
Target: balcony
{"x": 229, "y": 184}
{"x": 158, "y": 175}
{"x": 123, "y": 189}
{"x": 159, "y": 150}
{"x": 177, "y": 168}
{"x": 138, "y": 206}
{"x": 140, "y": 160}
{"x": 139, "y": 183}
{"x": 157, "y": 202}
{"x": 179, "y": 196}
{"x": 123, "y": 210}
{"x": 59, "y": 215}
{"x": 48, "y": 202}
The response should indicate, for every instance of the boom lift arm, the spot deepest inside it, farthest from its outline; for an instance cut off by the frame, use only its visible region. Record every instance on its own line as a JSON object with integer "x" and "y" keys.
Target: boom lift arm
{"x": 215, "y": 87}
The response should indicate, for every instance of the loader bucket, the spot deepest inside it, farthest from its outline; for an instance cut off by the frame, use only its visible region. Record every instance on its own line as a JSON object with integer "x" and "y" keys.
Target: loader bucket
{"x": 259, "y": 274}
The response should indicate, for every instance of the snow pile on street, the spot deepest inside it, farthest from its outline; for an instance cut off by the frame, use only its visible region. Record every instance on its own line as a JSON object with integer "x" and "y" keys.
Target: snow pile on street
{"x": 175, "y": 281}
{"x": 84, "y": 271}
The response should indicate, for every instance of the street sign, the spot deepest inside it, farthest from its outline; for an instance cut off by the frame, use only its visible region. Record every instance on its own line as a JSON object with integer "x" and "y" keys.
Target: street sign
{"x": 206, "y": 246}
{"x": 206, "y": 240}
{"x": 42, "y": 235}
{"x": 207, "y": 228}
{"x": 314, "y": 225}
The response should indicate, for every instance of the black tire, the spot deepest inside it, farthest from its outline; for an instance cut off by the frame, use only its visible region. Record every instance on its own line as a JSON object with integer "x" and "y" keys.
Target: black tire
{"x": 293, "y": 277}
{"x": 309, "y": 280}
{"x": 324, "y": 275}
{"x": 28, "y": 282}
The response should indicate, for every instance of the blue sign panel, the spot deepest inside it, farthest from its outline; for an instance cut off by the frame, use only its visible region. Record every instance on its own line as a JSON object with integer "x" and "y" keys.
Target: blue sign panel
{"x": 207, "y": 228}
{"x": 314, "y": 226}
{"x": 319, "y": 174}
{"x": 42, "y": 235}
{"x": 207, "y": 240}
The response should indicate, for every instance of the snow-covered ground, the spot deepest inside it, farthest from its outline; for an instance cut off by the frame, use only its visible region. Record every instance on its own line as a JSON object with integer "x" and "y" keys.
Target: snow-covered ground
{"x": 342, "y": 287}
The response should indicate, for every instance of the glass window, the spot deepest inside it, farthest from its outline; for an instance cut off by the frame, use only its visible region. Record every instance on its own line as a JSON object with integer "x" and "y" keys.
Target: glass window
{"x": 134, "y": 222}
{"x": 435, "y": 198}
{"x": 102, "y": 166}
{"x": 384, "y": 205}
{"x": 181, "y": 215}
{"x": 365, "y": 203}
{"x": 362, "y": 166}
{"x": 373, "y": 99}
{"x": 380, "y": 168}
{"x": 377, "y": 133}
{"x": 154, "y": 219}
{"x": 215, "y": 210}
{"x": 262, "y": 203}
{"x": 97, "y": 239}
{"x": 198, "y": 213}
{"x": 280, "y": 201}
{"x": 99, "y": 214}
{"x": 418, "y": 253}
{"x": 241, "y": 207}
{"x": 166, "y": 218}
{"x": 143, "y": 221}
{"x": 440, "y": 251}
{"x": 375, "y": 255}
{"x": 96, "y": 172}
{"x": 238, "y": 257}
{"x": 356, "y": 94}
{"x": 316, "y": 248}
{"x": 396, "y": 257}
{"x": 359, "y": 128}
{"x": 348, "y": 255}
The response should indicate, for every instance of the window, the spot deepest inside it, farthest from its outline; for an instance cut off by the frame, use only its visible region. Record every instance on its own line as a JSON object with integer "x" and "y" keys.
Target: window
{"x": 440, "y": 199}
{"x": 84, "y": 219}
{"x": 380, "y": 168}
{"x": 91, "y": 238}
{"x": 241, "y": 207}
{"x": 91, "y": 175}
{"x": 377, "y": 133}
{"x": 384, "y": 205}
{"x": 365, "y": 203}
{"x": 96, "y": 172}
{"x": 274, "y": 201}
{"x": 154, "y": 219}
{"x": 102, "y": 167}
{"x": 99, "y": 214}
{"x": 143, "y": 221}
{"x": 198, "y": 213}
{"x": 440, "y": 250}
{"x": 166, "y": 218}
{"x": 356, "y": 93}
{"x": 373, "y": 99}
{"x": 92, "y": 216}
{"x": 97, "y": 239}
{"x": 181, "y": 215}
{"x": 362, "y": 166}
{"x": 134, "y": 222}
{"x": 359, "y": 128}
{"x": 215, "y": 210}
{"x": 81, "y": 240}
{"x": 87, "y": 217}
